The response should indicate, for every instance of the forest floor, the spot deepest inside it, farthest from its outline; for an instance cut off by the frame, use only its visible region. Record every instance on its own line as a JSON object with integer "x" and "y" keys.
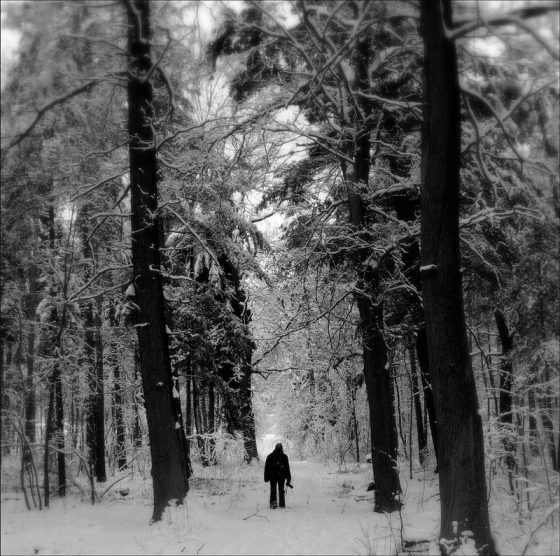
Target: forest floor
{"x": 226, "y": 511}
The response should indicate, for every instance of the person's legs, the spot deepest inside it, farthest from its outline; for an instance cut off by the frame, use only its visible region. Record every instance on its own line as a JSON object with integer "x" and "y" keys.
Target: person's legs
{"x": 281, "y": 493}
{"x": 273, "y": 485}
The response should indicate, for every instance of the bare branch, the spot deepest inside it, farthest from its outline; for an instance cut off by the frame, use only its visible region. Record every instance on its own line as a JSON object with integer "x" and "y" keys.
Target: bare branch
{"x": 42, "y": 111}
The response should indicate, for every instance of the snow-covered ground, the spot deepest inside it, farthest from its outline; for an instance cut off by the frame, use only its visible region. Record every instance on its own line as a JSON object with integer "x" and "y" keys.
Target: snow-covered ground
{"x": 226, "y": 511}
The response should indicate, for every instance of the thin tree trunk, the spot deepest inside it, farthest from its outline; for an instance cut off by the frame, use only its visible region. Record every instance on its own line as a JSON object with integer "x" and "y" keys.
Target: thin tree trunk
{"x": 30, "y": 306}
{"x": 169, "y": 468}
{"x": 461, "y": 448}
{"x": 211, "y": 422}
{"x": 420, "y": 430}
{"x": 429, "y": 403}
{"x": 505, "y": 414}
{"x": 398, "y": 415}
{"x": 100, "y": 469}
{"x": 198, "y": 423}
{"x": 4, "y": 401}
{"x": 188, "y": 416}
{"x": 59, "y": 429}
{"x": 30, "y": 403}
{"x": 120, "y": 432}
{"x": 136, "y": 432}
{"x": 46, "y": 451}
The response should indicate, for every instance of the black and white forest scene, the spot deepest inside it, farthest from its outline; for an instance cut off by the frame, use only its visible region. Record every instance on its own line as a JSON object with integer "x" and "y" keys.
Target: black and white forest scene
{"x": 280, "y": 277}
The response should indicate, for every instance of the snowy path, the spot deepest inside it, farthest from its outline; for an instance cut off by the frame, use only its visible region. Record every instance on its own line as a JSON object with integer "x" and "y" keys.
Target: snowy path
{"x": 328, "y": 512}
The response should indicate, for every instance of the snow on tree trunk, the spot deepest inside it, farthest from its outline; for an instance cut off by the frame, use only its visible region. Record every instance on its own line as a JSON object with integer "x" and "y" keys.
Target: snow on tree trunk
{"x": 461, "y": 448}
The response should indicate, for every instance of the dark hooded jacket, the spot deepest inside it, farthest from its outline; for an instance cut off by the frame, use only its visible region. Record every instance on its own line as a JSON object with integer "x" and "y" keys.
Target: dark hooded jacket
{"x": 277, "y": 466}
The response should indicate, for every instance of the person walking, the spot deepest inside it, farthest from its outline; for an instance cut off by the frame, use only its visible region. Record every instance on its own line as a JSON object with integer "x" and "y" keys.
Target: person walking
{"x": 276, "y": 471}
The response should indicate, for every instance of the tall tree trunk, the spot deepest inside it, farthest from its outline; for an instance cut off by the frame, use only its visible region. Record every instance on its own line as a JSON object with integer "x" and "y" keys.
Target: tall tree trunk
{"x": 381, "y": 401}
{"x": 169, "y": 468}
{"x": 379, "y": 386}
{"x": 461, "y": 447}
{"x": 420, "y": 430}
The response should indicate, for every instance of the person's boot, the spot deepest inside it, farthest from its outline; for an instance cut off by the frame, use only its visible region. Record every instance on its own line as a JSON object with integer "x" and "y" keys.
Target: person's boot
{"x": 273, "y": 506}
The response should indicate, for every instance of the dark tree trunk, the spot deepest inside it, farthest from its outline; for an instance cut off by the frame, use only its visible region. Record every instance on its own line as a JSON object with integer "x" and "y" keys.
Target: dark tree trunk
{"x": 550, "y": 432}
{"x": 506, "y": 371}
{"x": 198, "y": 423}
{"x": 210, "y": 420}
{"x": 118, "y": 400}
{"x": 46, "y": 451}
{"x": 136, "y": 432}
{"x": 100, "y": 470}
{"x": 4, "y": 403}
{"x": 398, "y": 413}
{"x": 420, "y": 430}
{"x": 505, "y": 415}
{"x": 239, "y": 407}
{"x": 380, "y": 394}
{"x": 247, "y": 416}
{"x": 120, "y": 433}
{"x": 379, "y": 386}
{"x": 59, "y": 429}
{"x": 30, "y": 306}
{"x": 188, "y": 416}
{"x": 56, "y": 401}
{"x": 93, "y": 353}
{"x": 169, "y": 468}
{"x": 95, "y": 435}
{"x": 429, "y": 403}
{"x": 461, "y": 447}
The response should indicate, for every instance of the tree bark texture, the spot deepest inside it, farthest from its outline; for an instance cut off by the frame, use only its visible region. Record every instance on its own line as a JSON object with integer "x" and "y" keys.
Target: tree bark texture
{"x": 379, "y": 386}
{"x": 247, "y": 415}
{"x": 461, "y": 449}
{"x": 169, "y": 468}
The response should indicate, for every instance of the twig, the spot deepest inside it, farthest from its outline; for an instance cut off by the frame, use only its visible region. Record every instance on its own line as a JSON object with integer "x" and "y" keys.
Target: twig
{"x": 254, "y": 515}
